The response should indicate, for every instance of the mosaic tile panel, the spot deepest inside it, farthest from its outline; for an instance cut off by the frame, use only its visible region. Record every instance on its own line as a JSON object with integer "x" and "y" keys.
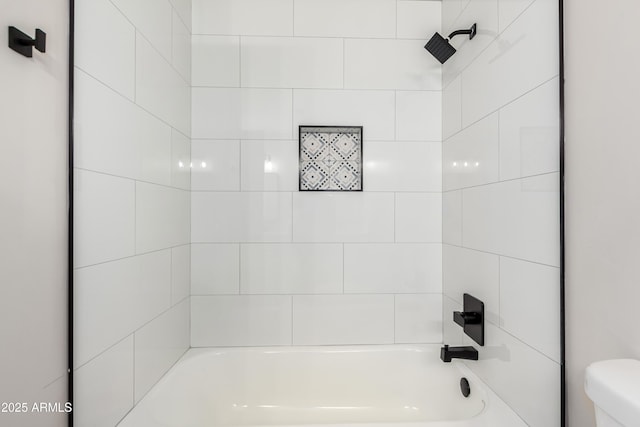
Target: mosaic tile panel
{"x": 330, "y": 158}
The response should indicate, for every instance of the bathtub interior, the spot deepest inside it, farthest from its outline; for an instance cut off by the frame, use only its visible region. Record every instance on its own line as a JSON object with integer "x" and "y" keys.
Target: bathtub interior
{"x": 305, "y": 386}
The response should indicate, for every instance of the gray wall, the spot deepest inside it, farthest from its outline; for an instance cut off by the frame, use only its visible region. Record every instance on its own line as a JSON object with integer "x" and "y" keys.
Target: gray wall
{"x": 33, "y": 215}
{"x": 603, "y": 202}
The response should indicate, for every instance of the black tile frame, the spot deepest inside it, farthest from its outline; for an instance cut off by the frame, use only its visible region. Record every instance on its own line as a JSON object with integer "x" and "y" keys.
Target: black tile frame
{"x": 300, "y": 157}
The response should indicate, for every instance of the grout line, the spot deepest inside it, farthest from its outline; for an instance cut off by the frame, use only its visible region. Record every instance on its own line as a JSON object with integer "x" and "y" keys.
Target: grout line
{"x": 499, "y": 291}
{"x": 133, "y": 335}
{"x": 276, "y": 36}
{"x": 394, "y": 315}
{"x": 396, "y": 19}
{"x": 325, "y": 89}
{"x": 307, "y": 242}
{"x": 364, "y": 294}
{"x": 132, "y": 179}
{"x": 344, "y": 63}
{"x": 129, "y": 257}
{"x": 395, "y": 218}
{"x": 135, "y": 217}
{"x": 239, "y": 63}
{"x": 291, "y": 190}
{"x": 136, "y": 29}
{"x": 292, "y": 318}
{"x": 395, "y": 115}
{"x": 135, "y": 67}
{"x": 343, "y": 267}
{"x": 171, "y": 278}
{"x": 240, "y": 268}
{"x": 501, "y": 182}
{"x": 503, "y": 255}
{"x": 133, "y": 101}
{"x": 463, "y": 128}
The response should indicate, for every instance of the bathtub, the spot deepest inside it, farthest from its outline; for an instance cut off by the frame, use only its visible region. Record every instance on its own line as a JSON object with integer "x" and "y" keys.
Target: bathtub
{"x": 350, "y": 386}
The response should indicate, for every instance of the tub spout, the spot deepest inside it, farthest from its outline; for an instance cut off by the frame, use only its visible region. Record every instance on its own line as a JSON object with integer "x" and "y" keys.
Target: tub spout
{"x": 447, "y": 354}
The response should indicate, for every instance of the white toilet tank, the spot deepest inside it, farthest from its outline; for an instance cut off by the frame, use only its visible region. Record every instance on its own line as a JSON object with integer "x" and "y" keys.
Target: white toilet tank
{"x": 614, "y": 388}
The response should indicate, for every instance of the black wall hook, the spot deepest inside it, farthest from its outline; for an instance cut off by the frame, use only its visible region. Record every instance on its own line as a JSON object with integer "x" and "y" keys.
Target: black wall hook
{"x": 24, "y": 44}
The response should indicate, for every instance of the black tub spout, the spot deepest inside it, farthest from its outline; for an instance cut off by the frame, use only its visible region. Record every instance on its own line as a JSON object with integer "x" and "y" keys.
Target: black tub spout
{"x": 447, "y": 354}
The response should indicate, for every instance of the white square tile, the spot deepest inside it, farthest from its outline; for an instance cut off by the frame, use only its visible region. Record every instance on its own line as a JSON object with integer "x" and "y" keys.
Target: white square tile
{"x": 345, "y": 18}
{"x": 419, "y": 116}
{"x": 158, "y": 345}
{"x": 160, "y": 89}
{"x": 389, "y": 64}
{"x": 241, "y": 217}
{"x": 117, "y": 137}
{"x": 515, "y": 218}
{"x": 181, "y": 47}
{"x": 472, "y": 157}
{"x": 346, "y": 217}
{"x": 215, "y": 165}
{"x": 521, "y": 50}
{"x": 418, "y": 19}
{"x": 104, "y": 218}
{"x": 530, "y": 133}
{"x": 452, "y": 217}
{"x": 451, "y": 10}
{"x": 392, "y": 268}
{"x": 246, "y": 17}
{"x": 472, "y": 272}
{"x": 215, "y": 269}
{"x": 104, "y": 387}
{"x": 183, "y": 8}
{"x": 374, "y": 110}
{"x": 162, "y": 217}
{"x": 112, "y": 60}
{"x": 418, "y": 318}
{"x": 418, "y": 217}
{"x": 452, "y": 332}
{"x": 256, "y": 320}
{"x": 216, "y": 61}
{"x": 343, "y": 319}
{"x": 452, "y": 108}
{"x": 180, "y": 160}
{"x": 156, "y": 27}
{"x": 180, "y": 273}
{"x": 530, "y": 304}
{"x": 509, "y": 10}
{"x": 289, "y": 62}
{"x": 270, "y": 165}
{"x": 227, "y": 113}
{"x": 484, "y": 13}
{"x": 116, "y": 298}
{"x": 291, "y": 268}
{"x": 402, "y": 166}
{"x": 507, "y": 365}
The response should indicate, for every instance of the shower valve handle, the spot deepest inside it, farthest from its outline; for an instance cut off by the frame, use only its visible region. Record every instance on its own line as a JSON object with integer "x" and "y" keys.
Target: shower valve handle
{"x": 467, "y": 317}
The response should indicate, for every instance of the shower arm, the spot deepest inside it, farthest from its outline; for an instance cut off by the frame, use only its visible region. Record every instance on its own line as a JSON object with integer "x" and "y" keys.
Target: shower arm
{"x": 471, "y": 32}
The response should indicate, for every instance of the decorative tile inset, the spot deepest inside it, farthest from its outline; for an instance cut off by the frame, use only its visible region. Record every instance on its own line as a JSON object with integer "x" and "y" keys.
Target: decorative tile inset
{"x": 330, "y": 158}
{"x": 315, "y": 175}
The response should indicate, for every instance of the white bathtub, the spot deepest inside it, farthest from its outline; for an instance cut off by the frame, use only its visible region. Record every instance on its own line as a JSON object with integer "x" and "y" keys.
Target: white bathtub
{"x": 302, "y": 386}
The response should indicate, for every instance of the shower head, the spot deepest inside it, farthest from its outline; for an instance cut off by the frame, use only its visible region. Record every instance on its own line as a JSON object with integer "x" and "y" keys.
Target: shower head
{"x": 440, "y": 47}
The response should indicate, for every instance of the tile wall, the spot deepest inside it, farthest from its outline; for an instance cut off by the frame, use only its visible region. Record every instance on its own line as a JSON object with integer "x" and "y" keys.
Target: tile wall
{"x": 275, "y": 266}
{"x": 132, "y": 200}
{"x": 501, "y": 195}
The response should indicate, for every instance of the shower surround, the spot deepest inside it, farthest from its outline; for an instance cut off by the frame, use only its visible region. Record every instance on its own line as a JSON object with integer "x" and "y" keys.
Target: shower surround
{"x": 207, "y": 242}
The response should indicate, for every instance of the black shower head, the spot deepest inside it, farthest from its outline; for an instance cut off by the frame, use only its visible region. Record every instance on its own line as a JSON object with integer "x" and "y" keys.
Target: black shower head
{"x": 440, "y": 47}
